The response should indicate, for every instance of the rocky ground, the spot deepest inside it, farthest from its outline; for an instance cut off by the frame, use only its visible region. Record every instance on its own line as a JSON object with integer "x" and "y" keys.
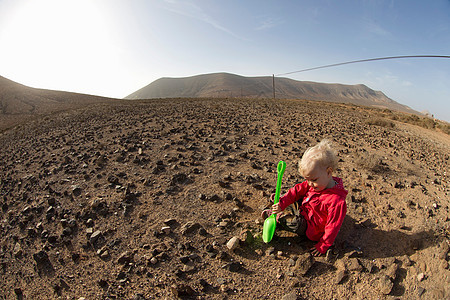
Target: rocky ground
{"x": 161, "y": 199}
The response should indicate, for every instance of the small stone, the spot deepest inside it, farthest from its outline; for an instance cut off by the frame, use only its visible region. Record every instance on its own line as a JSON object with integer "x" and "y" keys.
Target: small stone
{"x": 341, "y": 275}
{"x": 223, "y": 224}
{"x": 95, "y": 236}
{"x": 354, "y": 265}
{"x": 443, "y": 250}
{"x": 189, "y": 268}
{"x": 18, "y": 292}
{"x": 166, "y": 229}
{"x": 386, "y": 285}
{"x": 76, "y": 190}
{"x": 90, "y": 223}
{"x": 270, "y": 251}
{"x": 392, "y": 271}
{"x": 153, "y": 260}
{"x": 189, "y": 227}
{"x": 420, "y": 277}
{"x": 289, "y": 273}
{"x": 125, "y": 257}
{"x": 170, "y": 222}
{"x": 232, "y": 266}
{"x": 304, "y": 263}
{"x": 290, "y": 296}
{"x": 259, "y": 252}
{"x": 182, "y": 290}
{"x": 233, "y": 243}
{"x": 18, "y": 250}
{"x": 104, "y": 254}
{"x": 291, "y": 262}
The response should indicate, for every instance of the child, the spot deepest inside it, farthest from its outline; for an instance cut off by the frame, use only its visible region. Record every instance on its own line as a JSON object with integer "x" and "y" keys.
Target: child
{"x": 321, "y": 198}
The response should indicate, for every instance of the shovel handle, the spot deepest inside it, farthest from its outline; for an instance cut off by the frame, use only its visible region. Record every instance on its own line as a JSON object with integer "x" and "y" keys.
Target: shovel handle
{"x": 280, "y": 170}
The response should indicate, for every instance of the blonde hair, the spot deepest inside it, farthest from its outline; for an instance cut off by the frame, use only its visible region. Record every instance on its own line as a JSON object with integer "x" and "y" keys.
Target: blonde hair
{"x": 322, "y": 154}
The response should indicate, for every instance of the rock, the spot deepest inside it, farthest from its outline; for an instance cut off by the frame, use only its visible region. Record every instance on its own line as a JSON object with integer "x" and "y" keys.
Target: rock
{"x": 386, "y": 285}
{"x": 189, "y": 268}
{"x": 43, "y": 262}
{"x": 223, "y": 224}
{"x": 233, "y": 243}
{"x": 270, "y": 251}
{"x": 76, "y": 190}
{"x": 170, "y": 222}
{"x": 341, "y": 275}
{"x": 290, "y": 296}
{"x": 420, "y": 276}
{"x": 354, "y": 265}
{"x": 125, "y": 258}
{"x": 443, "y": 250}
{"x": 95, "y": 236}
{"x": 292, "y": 261}
{"x": 232, "y": 266}
{"x": 153, "y": 260}
{"x": 189, "y": 228}
{"x": 17, "y": 250}
{"x": 392, "y": 271}
{"x": 304, "y": 263}
{"x": 182, "y": 290}
{"x": 19, "y": 293}
{"x": 166, "y": 229}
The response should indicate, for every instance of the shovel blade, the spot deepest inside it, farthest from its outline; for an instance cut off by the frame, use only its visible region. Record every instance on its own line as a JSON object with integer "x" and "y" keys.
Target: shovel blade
{"x": 269, "y": 228}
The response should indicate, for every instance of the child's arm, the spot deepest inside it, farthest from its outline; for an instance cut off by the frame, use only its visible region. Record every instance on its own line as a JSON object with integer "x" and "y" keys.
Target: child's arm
{"x": 336, "y": 215}
{"x": 292, "y": 195}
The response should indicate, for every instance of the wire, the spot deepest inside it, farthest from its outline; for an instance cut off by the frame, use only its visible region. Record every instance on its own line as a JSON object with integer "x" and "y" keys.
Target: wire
{"x": 366, "y": 60}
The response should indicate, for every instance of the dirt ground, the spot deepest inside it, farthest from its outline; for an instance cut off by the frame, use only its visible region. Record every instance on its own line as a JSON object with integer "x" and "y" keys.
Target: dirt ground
{"x": 139, "y": 200}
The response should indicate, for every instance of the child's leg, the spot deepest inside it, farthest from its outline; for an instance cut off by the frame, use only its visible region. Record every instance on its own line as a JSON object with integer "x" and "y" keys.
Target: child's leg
{"x": 293, "y": 221}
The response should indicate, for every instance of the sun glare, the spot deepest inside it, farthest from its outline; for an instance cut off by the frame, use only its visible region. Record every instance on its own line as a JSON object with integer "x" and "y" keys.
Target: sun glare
{"x": 55, "y": 43}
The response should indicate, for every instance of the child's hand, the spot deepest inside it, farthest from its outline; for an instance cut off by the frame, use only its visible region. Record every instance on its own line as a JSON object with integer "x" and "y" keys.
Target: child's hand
{"x": 276, "y": 208}
{"x": 315, "y": 252}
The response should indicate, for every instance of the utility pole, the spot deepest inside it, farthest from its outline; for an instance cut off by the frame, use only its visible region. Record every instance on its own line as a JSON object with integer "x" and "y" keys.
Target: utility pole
{"x": 273, "y": 85}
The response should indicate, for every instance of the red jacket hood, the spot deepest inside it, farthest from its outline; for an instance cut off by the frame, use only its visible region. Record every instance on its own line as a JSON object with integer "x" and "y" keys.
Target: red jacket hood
{"x": 337, "y": 189}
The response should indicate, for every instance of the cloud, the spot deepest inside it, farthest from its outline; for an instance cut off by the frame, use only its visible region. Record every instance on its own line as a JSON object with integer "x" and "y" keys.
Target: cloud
{"x": 374, "y": 28}
{"x": 268, "y": 23}
{"x": 192, "y": 10}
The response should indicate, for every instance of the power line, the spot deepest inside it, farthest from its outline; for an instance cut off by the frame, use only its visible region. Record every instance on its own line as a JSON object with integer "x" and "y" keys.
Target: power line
{"x": 366, "y": 60}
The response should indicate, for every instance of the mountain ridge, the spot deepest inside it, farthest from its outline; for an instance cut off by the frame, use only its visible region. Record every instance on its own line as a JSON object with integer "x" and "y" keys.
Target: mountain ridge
{"x": 232, "y": 85}
{"x": 19, "y": 102}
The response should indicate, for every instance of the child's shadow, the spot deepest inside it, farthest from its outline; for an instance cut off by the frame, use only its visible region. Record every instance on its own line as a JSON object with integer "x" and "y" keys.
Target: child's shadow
{"x": 372, "y": 243}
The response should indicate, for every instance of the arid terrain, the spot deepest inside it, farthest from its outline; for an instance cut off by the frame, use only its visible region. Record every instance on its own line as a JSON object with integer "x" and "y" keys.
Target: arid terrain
{"x": 143, "y": 199}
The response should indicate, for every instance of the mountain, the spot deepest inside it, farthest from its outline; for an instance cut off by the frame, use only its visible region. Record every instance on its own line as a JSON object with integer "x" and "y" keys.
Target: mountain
{"x": 231, "y": 85}
{"x": 19, "y": 102}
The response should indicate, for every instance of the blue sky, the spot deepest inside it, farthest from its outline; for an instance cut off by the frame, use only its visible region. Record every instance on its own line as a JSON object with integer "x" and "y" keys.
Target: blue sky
{"x": 114, "y": 47}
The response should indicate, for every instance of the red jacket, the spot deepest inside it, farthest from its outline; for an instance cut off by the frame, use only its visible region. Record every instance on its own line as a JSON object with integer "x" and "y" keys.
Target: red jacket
{"x": 323, "y": 211}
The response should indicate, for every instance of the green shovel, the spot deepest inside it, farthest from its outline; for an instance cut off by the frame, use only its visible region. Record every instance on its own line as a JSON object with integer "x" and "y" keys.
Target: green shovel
{"x": 271, "y": 222}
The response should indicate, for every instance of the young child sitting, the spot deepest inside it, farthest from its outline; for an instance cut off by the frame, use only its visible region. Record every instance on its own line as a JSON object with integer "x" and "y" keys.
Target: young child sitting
{"x": 321, "y": 199}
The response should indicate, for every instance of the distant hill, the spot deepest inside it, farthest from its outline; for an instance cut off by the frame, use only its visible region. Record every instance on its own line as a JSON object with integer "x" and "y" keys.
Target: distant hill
{"x": 231, "y": 85}
{"x": 19, "y": 102}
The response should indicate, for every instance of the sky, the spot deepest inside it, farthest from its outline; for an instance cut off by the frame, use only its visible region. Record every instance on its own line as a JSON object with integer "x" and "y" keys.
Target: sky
{"x": 114, "y": 47}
